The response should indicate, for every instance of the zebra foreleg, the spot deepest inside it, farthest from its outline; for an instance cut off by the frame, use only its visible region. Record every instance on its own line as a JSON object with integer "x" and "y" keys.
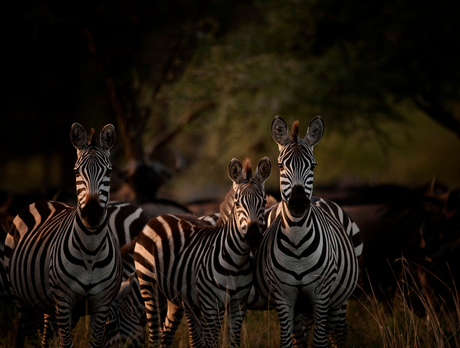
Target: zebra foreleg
{"x": 154, "y": 306}
{"x": 64, "y": 325}
{"x": 195, "y": 328}
{"x": 338, "y": 321}
{"x": 172, "y": 322}
{"x": 97, "y": 322}
{"x": 286, "y": 319}
{"x": 236, "y": 315}
{"x": 48, "y": 330}
{"x": 320, "y": 332}
{"x": 211, "y": 319}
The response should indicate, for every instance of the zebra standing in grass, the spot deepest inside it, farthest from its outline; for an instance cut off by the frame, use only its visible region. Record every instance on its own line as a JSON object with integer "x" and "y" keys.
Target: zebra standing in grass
{"x": 184, "y": 265}
{"x": 306, "y": 266}
{"x": 64, "y": 261}
{"x": 126, "y": 319}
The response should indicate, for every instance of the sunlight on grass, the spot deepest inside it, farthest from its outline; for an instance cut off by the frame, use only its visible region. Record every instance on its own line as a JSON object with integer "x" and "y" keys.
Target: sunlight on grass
{"x": 372, "y": 323}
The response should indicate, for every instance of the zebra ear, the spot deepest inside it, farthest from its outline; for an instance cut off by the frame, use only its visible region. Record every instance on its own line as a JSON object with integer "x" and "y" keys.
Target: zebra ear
{"x": 235, "y": 171}
{"x": 263, "y": 170}
{"x": 280, "y": 131}
{"x": 78, "y": 136}
{"x": 107, "y": 137}
{"x": 315, "y": 131}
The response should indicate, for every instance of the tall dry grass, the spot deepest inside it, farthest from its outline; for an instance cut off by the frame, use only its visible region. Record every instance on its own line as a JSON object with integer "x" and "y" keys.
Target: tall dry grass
{"x": 372, "y": 322}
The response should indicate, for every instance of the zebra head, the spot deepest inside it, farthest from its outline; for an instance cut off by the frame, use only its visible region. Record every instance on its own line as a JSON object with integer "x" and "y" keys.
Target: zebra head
{"x": 249, "y": 199}
{"x": 296, "y": 162}
{"x": 92, "y": 171}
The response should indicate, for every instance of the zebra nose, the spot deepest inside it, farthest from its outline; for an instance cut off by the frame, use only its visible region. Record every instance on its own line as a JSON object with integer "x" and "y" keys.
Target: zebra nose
{"x": 92, "y": 212}
{"x": 253, "y": 235}
{"x": 298, "y": 201}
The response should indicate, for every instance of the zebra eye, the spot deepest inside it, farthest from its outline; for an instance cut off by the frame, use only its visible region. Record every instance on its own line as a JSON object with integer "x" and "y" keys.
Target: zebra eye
{"x": 313, "y": 165}
{"x": 108, "y": 171}
{"x": 237, "y": 204}
{"x": 280, "y": 165}
{"x": 76, "y": 172}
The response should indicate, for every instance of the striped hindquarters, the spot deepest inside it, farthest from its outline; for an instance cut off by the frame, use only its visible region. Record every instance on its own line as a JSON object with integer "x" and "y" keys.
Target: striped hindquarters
{"x": 33, "y": 234}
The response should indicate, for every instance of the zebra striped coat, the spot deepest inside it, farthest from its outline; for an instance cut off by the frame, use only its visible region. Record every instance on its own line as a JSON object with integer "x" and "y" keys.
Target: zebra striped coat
{"x": 184, "y": 265}
{"x": 64, "y": 261}
{"x": 306, "y": 265}
{"x": 126, "y": 319}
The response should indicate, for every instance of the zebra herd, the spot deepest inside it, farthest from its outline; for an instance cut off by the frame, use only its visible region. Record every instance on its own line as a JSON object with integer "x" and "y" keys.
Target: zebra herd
{"x": 111, "y": 261}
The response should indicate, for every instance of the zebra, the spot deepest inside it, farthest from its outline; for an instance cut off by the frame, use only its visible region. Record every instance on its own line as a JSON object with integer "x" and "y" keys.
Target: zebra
{"x": 126, "y": 320}
{"x": 307, "y": 264}
{"x": 62, "y": 260}
{"x": 185, "y": 265}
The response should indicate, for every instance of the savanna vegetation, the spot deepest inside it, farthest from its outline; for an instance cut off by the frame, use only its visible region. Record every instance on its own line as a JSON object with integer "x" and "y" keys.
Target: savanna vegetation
{"x": 213, "y": 74}
{"x": 372, "y": 323}
{"x": 198, "y": 82}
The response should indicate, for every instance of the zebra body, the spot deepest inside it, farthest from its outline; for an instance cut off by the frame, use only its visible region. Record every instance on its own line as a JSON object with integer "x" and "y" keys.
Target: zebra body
{"x": 185, "y": 266}
{"x": 306, "y": 266}
{"x": 126, "y": 319}
{"x": 62, "y": 260}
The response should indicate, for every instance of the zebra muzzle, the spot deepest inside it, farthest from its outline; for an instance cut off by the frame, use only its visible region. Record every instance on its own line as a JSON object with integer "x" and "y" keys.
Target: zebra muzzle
{"x": 298, "y": 201}
{"x": 92, "y": 213}
{"x": 253, "y": 235}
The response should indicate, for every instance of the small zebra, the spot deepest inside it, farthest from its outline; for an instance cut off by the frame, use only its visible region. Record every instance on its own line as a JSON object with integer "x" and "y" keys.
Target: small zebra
{"x": 64, "y": 261}
{"x": 185, "y": 265}
{"x": 307, "y": 264}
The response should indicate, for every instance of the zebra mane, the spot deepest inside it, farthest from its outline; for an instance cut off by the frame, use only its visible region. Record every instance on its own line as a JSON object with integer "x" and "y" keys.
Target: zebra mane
{"x": 247, "y": 170}
{"x": 227, "y": 205}
{"x": 90, "y": 137}
{"x": 295, "y": 131}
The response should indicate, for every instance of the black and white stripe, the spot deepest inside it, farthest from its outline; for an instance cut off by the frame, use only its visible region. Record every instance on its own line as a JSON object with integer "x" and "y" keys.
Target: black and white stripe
{"x": 306, "y": 265}
{"x": 64, "y": 261}
{"x": 126, "y": 320}
{"x": 184, "y": 265}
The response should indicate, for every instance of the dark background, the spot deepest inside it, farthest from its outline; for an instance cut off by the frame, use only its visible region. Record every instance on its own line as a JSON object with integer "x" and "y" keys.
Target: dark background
{"x": 204, "y": 79}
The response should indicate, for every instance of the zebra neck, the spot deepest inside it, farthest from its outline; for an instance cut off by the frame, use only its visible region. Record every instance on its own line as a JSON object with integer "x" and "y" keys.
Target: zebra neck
{"x": 90, "y": 239}
{"x": 234, "y": 253}
{"x": 295, "y": 228}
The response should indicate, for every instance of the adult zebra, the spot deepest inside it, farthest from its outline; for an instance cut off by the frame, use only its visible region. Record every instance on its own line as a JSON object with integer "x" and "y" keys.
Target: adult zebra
{"x": 306, "y": 265}
{"x": 64, "y": 261}
{"x": 126, "y": 320}
{"x": 184, "y": 265}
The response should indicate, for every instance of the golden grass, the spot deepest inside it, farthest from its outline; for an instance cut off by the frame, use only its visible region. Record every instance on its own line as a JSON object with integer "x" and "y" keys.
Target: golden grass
{"x": 372, "y": 323}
